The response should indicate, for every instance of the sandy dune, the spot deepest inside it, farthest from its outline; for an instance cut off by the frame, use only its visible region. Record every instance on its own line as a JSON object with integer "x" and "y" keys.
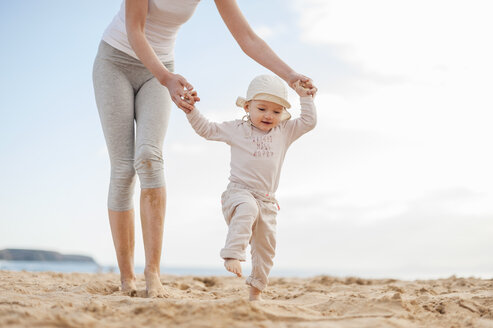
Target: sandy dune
{"x": 94, "y": 300}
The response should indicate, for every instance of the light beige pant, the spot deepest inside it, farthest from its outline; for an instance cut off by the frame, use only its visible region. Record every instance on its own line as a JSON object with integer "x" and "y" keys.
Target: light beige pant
{"x": 251, "y": 217}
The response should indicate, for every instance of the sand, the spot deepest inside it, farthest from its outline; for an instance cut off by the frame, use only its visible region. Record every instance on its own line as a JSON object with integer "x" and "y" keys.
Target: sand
{"x": 93, "y": 300}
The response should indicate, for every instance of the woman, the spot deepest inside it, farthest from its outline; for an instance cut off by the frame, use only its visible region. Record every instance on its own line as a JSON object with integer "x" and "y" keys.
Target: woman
{"x": 134, "y": 82}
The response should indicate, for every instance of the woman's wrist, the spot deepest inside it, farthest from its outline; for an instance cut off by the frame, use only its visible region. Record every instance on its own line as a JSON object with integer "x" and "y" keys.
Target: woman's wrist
{"x": 164, "y": 77}
{"x": 291, "y": 77}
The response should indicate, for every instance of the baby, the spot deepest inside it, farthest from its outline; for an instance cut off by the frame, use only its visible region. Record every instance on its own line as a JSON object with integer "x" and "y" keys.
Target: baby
{"x": 258, "y": 145}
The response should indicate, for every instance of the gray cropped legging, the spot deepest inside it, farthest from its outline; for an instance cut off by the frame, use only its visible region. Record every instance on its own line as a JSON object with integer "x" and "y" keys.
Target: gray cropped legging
{"x": 126, "y": 92}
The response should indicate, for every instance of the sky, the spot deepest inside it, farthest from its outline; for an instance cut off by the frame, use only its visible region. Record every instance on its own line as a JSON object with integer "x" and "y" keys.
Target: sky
{"x": 394, "y": 181}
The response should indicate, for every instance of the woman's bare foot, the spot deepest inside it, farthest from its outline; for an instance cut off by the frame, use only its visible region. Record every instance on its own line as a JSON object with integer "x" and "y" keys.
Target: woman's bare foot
{"x": 255, "y": 294}
{"x": 128, "y": 287}
{"x": 154, "y": 288}
{"x": 233, "y": 265}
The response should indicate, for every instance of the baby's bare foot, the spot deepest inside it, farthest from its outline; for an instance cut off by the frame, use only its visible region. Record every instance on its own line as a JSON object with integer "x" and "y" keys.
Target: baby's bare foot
{"x": 233, "y": 265}
{"x": 154, "y": 288}
{"x": 128, "y": 287}
{"x": 255, "y": 294}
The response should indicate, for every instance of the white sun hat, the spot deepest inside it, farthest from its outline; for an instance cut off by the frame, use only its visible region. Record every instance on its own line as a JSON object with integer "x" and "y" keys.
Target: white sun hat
{"x": 269, "y": 88}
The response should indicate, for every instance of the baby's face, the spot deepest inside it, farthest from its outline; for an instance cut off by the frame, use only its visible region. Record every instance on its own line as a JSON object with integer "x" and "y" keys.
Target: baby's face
{"x": 265, "y": 115}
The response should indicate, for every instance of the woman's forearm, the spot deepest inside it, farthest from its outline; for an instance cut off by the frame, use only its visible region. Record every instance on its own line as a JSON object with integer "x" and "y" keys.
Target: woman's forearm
{"x": 259, "y": 50}
{"x": 147, "y": 56}
{"x": 135, "y": 19}
{"x": 251, "y": 43}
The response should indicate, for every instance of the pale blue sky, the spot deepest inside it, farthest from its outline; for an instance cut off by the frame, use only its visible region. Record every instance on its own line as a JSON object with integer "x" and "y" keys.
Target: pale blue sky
{"x": 395, "y": 179}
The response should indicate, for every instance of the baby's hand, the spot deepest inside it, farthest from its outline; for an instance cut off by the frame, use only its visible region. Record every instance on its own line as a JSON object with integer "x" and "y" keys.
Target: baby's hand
{"x": 301, "y": 88}
{"x": 190, "y": 97}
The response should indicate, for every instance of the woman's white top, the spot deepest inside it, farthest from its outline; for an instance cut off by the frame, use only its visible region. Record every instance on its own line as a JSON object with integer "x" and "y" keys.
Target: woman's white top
{"x": 164, "y": 18}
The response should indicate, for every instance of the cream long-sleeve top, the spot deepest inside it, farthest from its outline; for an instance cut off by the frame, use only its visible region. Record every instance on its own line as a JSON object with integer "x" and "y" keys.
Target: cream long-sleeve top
{"x": 256, "y": 156}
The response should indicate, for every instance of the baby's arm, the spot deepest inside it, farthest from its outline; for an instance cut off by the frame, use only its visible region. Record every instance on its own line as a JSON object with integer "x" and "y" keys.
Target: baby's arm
{"x": 208, "y": 130}
{"x": 308, "y": 117}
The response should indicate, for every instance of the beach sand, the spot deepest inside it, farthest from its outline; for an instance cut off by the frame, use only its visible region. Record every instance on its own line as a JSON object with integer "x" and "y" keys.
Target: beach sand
{"x": 48, "y": 299}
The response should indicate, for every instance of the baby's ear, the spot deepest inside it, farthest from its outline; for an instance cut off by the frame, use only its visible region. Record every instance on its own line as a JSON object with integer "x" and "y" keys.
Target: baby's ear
{"x": 246, "y": 107}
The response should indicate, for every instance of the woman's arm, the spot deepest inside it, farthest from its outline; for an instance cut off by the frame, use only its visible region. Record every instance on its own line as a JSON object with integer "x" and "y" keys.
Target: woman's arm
{"x": 135, "y": 18}
{"x": 255, "y": 47}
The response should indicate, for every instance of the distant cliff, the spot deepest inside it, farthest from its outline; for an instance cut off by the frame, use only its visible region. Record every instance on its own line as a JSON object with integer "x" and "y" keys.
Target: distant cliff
{"x": 11, "y": 254}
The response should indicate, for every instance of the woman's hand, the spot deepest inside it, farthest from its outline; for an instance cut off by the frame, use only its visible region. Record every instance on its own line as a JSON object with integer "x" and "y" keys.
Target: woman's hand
{"x": 181, "y": 92}
{"x": 190, "y": 97}
{"x": 300, "y": 89}
{"x": 305, "y": 82}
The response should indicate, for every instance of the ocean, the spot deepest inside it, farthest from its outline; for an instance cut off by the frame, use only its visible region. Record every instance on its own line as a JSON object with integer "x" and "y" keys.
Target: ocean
{"x": 84, "y": 267}
{"x": 402, "y": 274}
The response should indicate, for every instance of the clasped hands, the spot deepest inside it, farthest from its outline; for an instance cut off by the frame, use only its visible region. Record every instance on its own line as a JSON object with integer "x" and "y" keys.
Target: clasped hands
{"x": 181, "y": 92}
{"x": 302, "y": 85}
{"x": 184, "y": 96}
